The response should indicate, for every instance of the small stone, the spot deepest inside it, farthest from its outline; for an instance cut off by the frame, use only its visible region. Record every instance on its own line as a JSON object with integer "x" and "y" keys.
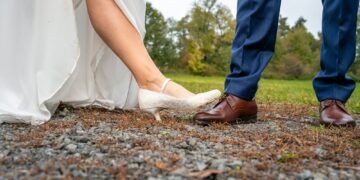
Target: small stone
{"x": 77, "y": 155}
{"x": 80, "y": 131}
{"x": 230, "y": 178}
{"x": 236, "y": 164}
{"x": 192, "y": 142}
{"x": 201, "y": 166}
{"x": 82, "y": 139}
{"x": 183, "y": 145}
{"x": 174, "y": 178}
{"x": 189, "y": 128}
{"x": 201, "y": 145}
{"x": 92, "y": 130}
{"x": 320, "y": 176}
{"x": 8, "y": 137}
{"x": 218, "y": 146}
{"x": 133, "y": 166}
{"x": 333, "y": 174}
{"x": 320, "y": 152}
{"x": 64, "y": 112}
{"x": 305, "y": 175}
{"x": 49, "y": 152}
{"x": 67, "y": 141}
{"x": 282, "y": 176}
{"x": 254, "y": 162}
{"x": 71, "y": 147}
{"x": 77, "y": 173}
{"x": 107, "y": 130}
{"x": 129, "y": 146}
{"x": 218, "y": 164}
{"x": 99, "y": 156}
{"x": 5, "y": 153}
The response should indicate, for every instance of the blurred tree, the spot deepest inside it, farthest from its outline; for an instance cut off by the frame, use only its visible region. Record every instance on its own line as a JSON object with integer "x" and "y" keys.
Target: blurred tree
{"x": 296, "y": 54}
{"x": 284, "y": 27}
{"x": 158, "y": 40}
{"x": 210, "y": 26}
{"x": 300, "y": 24}
{"x": 201, "y": 43}
{"x": 355, "y": 68}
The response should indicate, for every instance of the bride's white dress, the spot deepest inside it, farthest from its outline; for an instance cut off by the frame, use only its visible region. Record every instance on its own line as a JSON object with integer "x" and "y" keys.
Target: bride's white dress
{"x": 49, "y": 53}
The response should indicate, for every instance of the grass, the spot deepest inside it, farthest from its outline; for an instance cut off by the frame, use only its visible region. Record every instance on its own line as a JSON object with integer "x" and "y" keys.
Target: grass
{"x": 270, "y": 91}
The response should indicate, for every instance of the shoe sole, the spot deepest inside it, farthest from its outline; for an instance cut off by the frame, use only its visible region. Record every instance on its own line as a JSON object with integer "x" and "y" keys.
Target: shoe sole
{"x": 239, "y": 120}
{"x": 349, "y": 125}
{"x": 246, "y": 120}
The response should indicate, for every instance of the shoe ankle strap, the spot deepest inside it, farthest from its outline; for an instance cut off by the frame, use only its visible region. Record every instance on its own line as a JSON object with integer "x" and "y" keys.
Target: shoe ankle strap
{"x": 164, "y": 85}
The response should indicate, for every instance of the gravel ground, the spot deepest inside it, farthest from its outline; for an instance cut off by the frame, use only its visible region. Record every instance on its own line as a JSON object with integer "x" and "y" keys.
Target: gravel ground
{"x": 92, "y": 143}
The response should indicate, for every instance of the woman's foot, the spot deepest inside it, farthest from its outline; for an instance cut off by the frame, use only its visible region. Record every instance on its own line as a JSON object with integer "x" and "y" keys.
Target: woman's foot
{"x": 156, "y": 99}
{"x": 172, "y": 89}
{"x": 176, "y": 90}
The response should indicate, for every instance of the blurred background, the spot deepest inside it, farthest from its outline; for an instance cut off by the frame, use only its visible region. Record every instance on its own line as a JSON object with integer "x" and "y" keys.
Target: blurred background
{"x": 190, "y": 40}
{"x": 195, "y": 37}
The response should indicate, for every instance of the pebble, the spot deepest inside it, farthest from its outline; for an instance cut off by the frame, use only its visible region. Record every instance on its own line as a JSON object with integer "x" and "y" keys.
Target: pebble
{"x": 183, "y": 145}
{"x": 67, "y": 141}
{"x": 320, "y": 152}
{"x": 236, "y": 164}
{"x": 218, "y": 164}
{"x": 218, "y": 146}
{"x": 71, "y": 147}
{"x": 282, "y": 176}
{"x": 305, "y": 175}
{"x": 320, "y": 176}
{"x": 200, "y": 165}
{"x": 192, "y": 142}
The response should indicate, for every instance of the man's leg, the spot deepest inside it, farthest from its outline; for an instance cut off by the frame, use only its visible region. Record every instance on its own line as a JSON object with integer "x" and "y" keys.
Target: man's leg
{"x": 333, "y": 87}
{"x": 253, "y": 47}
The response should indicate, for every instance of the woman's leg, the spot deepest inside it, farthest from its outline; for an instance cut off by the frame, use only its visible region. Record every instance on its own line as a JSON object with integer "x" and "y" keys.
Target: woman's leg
{"x": 120, "y": 35}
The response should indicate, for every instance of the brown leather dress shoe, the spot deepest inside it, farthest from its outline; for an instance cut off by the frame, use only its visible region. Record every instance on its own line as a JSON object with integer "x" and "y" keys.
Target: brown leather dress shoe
{"x": 333, "y": 113}
{"x": 231, "y": 110}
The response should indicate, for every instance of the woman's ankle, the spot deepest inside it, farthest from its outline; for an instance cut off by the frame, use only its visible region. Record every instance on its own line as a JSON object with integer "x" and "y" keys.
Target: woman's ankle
{"x": 172, "y": 88}
{"x": 152, "y": 83}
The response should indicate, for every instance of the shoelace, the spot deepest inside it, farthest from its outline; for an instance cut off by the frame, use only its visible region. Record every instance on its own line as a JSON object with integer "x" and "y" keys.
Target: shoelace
{"x": 330, "y": 103}
{"x": 221, "y": 99}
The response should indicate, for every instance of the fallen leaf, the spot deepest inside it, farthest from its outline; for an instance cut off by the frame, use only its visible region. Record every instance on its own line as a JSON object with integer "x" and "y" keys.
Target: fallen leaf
{"x": 161, "y": 165}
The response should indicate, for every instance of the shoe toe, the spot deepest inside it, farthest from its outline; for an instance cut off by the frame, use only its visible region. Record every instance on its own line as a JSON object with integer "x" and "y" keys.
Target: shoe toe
{"x": 201, "y": 116}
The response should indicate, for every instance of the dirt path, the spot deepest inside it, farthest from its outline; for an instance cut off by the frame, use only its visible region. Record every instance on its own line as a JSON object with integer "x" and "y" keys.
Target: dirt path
{"x": 93, "y": 143}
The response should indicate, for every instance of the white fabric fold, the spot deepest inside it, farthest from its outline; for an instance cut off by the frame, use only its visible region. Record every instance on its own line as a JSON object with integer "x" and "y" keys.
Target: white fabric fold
{"x": 50, "y": 53}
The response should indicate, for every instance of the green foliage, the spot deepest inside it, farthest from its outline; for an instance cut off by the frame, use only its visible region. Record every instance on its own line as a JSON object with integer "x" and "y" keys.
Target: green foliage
{"x": 287, "y": 156}
{"x": 205, "y": 38}
{"x": 356, "y": 144}
{"x": 158, "y": 40}
{"x": 194, "y": 58}
{"x": 201, "y": 41}
{"x": 355, "y": 69}
{"x": 318, "y": 129}
{"x": 297, "y": 52}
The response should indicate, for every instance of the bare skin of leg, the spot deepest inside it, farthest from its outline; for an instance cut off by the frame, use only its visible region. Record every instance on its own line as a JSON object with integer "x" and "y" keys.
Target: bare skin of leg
{"x": 120, "y": 35}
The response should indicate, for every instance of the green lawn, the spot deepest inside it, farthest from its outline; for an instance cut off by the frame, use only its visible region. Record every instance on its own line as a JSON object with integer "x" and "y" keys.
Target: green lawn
{"x": 273, "y": 91}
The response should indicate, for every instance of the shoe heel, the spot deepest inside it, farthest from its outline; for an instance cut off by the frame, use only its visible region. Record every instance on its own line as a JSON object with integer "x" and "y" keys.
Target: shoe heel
{"x": 155, "y": 112}
{"x": 247, "y": 119}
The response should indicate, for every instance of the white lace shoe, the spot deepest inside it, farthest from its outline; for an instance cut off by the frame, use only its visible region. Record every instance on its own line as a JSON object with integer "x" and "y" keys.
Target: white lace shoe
{"x": 154, "y": 102}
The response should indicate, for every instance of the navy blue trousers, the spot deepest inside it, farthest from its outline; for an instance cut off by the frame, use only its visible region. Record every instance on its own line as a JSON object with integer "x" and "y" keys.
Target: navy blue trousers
{"x": 254, "y": 44}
